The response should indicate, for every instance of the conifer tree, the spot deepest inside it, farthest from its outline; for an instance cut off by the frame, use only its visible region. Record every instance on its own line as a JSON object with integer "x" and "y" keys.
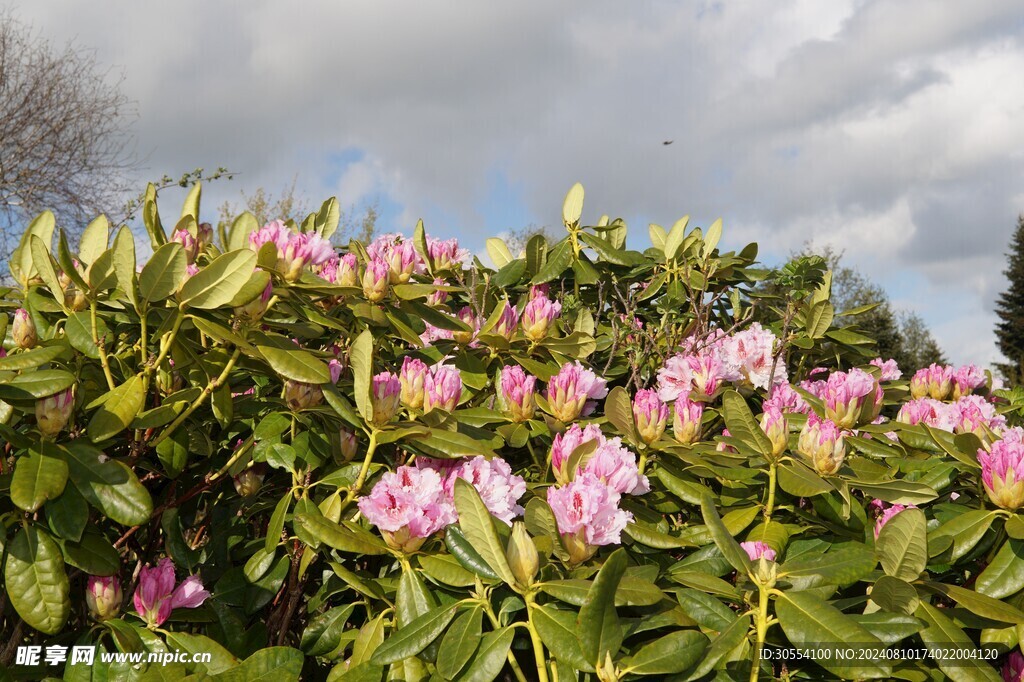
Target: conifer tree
{"x": 1010, "y": 309}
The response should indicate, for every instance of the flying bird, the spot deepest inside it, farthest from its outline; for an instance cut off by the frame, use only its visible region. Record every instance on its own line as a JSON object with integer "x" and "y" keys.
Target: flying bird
{"x": 668, "y": 142}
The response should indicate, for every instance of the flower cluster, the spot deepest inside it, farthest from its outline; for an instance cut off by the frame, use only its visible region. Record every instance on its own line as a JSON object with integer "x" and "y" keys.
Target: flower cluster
{"x": 156, "y": 595}
{"x": 608, "y": 461}
{"x": 942, "y": 382}
{"x": 295, "y": 250}
{"x": 1002, "y": 470}
{"x": 574, "y": 392}
{"x": 428, "y": 388}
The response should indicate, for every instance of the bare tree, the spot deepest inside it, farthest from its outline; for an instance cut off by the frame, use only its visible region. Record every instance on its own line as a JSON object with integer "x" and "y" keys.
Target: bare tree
{"x": 64, "y": 130}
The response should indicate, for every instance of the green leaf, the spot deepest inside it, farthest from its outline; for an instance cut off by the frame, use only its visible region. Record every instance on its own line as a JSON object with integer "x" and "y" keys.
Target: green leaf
{"x": 979, "y": 604}
{"x": 94, "y": 240}
{"x": 449, "y": 444}
{"x": 360, "y": 358}
{"x": 619, "y": 411}
{"x": 893, "y": 594}
{"x": 558, "y": 260}
{"x": 221, "y": 659}
{"x": 37, "y": 384}
{"x": 276, "y": 524}
{"x": 460, "y": 643}
{"x": 124, "y": 262}
{"x": 273, "y": 664}
{"x": 572, "y": 207}
{"x": 107, "y": 484}
{"x": 597, "y": 625}
{"x": 297, "y": 365}
{"x": 490, "y": 658}
{"x": 344, "y": 537}
{"x": 37, "y": 478}
{"x": 675, "y": 236}
{"x": 191, "y": 205}
{"x": 446, "y": 569}
{"x": 162, "y": 275}
{"x": 78, "y": 329}
{"x": 478, "y": 527}
{"x": 94, "y": 555}
{"x": 323, "y": 634}
{"x": 1005, "y": 574}
{"x": 808, "y": 620}
{"x": 965, "y": 530}
{"x": 673, "y": 653}
{"x": 30, "y": 359}
{"x": 842, "y": 566}
{"x": 370, "y": 636}
{"x": 414, "y": 637}
{"x": 68, "y": 515}
{"x": 742, "y": 425}
{"x": 557, "y": 629}
{"x": 43, "y": 263}
{"x": 711, "y": 239}
{"x": 730, "y": 549}
{"x": 798, "y": 480}
{"x": 632, "y": 591}
{"x": 218, "y": 283}
{"x": 897, "y": 492}
{"x": 951, "y": 647}
{"x": 35, "y": 580}
{"x": 466, "y": 555}
{"x": 729, "y": 638}
{"x": 608, "y": 253}
{"x": 902, "y": 545}
{"x": 498, "y": 252}
{"x": 118, "y": 409}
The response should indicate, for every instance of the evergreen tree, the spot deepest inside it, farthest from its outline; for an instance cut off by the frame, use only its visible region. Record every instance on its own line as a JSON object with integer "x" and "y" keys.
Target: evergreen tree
{"x": 1010, "y": 309}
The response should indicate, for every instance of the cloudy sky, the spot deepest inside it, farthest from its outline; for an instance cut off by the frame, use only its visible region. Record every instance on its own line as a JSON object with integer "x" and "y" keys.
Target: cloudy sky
{"x": 890, "y": 129}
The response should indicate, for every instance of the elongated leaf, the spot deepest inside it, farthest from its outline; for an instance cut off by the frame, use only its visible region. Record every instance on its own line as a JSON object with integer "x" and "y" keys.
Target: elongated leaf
{"x": 572, "y": 208}
{"x": 35, "y": 580}
{"x": 841, "y": 566}
{"x": 37, "y": 478}
{"x": 730, "y": 549}
{"x": 124, "y": 262}
{"x": 557, "y": 629}
{"x": 323, "y": 634}
{"x": 30, "y": 359}
{"x": 273, "y": 664}
{"x": 499, "y": 253}
{"x": 598, "y": 627}
{"x": 1005, "y": 575}
{"x": 414, "y": 637}
{"x": 986, "y": 607}
{"x": 460, "y": 643}
{"x": 361, "y": 360}
{"x": 966, "y": 530}
{"x": 558, "y": 260}
{"x": 490, "y": 658}
{"x": 673, "y": 653}
{"x": 162, "y": 275}
{"x": 742, "y": 424}
{"x": 42, "y": 261}
{"x": 37, "y": 384}
{"x": 340, "y": 537}
{"x": 466, "y": 555}
{"x": 218, "y": 283}
{"x": 478, "y": 526}
{"x": 107, "y": 484}
{"x": 902, "y": 545}
{"x": 298, "y": 365}
{"x": 120, "y": 406}
{"x": 952, "y": 647}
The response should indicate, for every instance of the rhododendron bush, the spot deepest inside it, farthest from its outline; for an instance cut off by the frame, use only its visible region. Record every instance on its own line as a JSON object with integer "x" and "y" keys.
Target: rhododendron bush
{"x": 396, "y": 461}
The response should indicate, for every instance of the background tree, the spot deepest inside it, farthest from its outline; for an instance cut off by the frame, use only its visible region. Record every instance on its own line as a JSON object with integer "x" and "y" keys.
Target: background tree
{"x": 64, "y": 132}
{"x": 1010, "y": 309}
{"x": 517, "y": 238}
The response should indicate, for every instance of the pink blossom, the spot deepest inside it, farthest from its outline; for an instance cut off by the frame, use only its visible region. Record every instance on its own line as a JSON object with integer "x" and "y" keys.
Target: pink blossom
{"x": 686, "y": 421}
{"x": 890, "y": 370}
{"x": 1002, "y": 472}
{"x": 517, "y": 393}
{"x": 537, "y": 290}
{"x": 822, "y": 442}
{"x": 538, "y": 316}
{"x": 335, "y": 367}
{"x": 851, "y": 397}
{"x": 446, "y": 254}
{"x": 933, "y": 413}
{"x": 408, "y": 506}
{"x": 412, "y": 376}
{"x": 343, "y": 270}
{"x": 433, "y": 334}
{"x": 376, "y": 278}
{"x": 442, "y": 388}
{"x": 506, "y": 325}
{"x": 977, "y": 415}
{"x": 966, "y": 379}
{"x": 650, "y": 415}
{"x": 748, "y": 356}
{"x": 437, "y": 296}
{"x": 274, "y": 232}
{"x": 617, "y": 467}
{"x": 156, "y": 596}
{"x": 756, "y": 550}
{"x": 499, "y": 488}
{"x": 103, "y": 596}
{"x": 588, "y": 515}
{"x": 887, "y": 515}
{"x": 785, "y": 398}
{"x": 188, "y": 243}
{"x": 675, "y": 379}
{"x": 386, "y": 394}
{"x": 574, "y": 392}
{"x": 399, "y": 254}
{"x": 563, "y": 445}
{"x": 934, "y": 380}
{"x": 473, "y": 321}
{"x": 1013, "y": 667}
{"x": 775, "y": 426}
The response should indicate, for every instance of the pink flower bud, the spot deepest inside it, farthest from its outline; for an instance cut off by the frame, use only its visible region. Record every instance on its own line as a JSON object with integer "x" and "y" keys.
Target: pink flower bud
{"x": 301, "y": 396}
{"x": 348, "y": 444}
{"x": 517, "y": 393}
{"x": 538, "y": 315}
{"x": 887, "y": 515}
{"x": 1013, "y": 667}
{"x": 650, "y": 415}
{"x": 966, "y": 379}
{"x": 24, "y": 330}
{"x": 249, "y": 481}
{"x": 774, "y": 424}
{"x": 522, "y": 555}
{"x": 508, "y": 321}
{"x": 54, "y": 411}
{"x": 254, "y": 309}
{"x": 442, "y": 388}
{"x": 386, "y": 395}
{"x": 890, "y": 370}
{"x": 686, "y": 421}
{"x": 204, "y": 235}
{"x": 821, "y": 441}
{"x": 412, "y": 376}
{"x": 156, "y": 596}
{"x": 103, "y": 596}
{"x": 446, "y": 254}
{"x": 1002, "y": 473}
{"x": 188, "y": 243}
{"x": 438, "y": 296}
{"x": 851, "y": 398}
{"x": 408, "y": 506}
{"x": 303, "y": 249}
{"x": 375, "y": 280}
{"x": 588, "y": 516}
{"x": 467, "y": 315}
{"x": 934, "y": 380}
{"x": 756, "y": 550}
{"x": 573, "y": 392}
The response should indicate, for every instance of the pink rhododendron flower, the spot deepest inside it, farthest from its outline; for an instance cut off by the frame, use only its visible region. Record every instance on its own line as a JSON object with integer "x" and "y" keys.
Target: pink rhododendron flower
{"x": 340, "y": 270}
{"x": 821, "y": 441}
{"x": 295, "y": 250}
{"x": 851, "y": 397}
{"x": 468, "y": 338}
{"x": 517, "y": 392}
{"x": 617, "y": 467}
{"x": 748, "y": 356}
{"x": 650, "y": 415}
{"x": 1013, "y": 667}
{"x": 408, "y": 506}
{"x": 335, "y": 368}
{"x": 588, "y": 516}
{"x": 386, "y": 394}
{"x": 1002, "y": 472}
{"x": 756, "y": 550}
{"x": 376, "y": 280}
{"x": 966, "y": 379}
{"x": 399, "y": 254}
{"x": 412, "y": 377}
{"x": 54, "y": 411}
{"x": 976, "y": 415}
{"x": 499, "y": 488}
{"x": 686, "y": 421}
{"x": 934, "y": 380}
{"x": 887, "y": 515}
{"x": 433, "y": 334}
{"x": 775, "y": 426}
{"x": 103, "y": 596}
{"x": 189, "y": 244}
{"x": 538, "y": 316}
{"x": 931, "y": 412}
{"x": 784, "y": 398}
{"x": 574, "y": 392}
{"x": 675, "y": 380}
{"x": 563, "y": 445}
{"x": 442, "y": 388}
{"x": 156, "y": 596}
{"x": 890, "y": 370}
{"x": 506, "y": 325}
{"x": 438, "y": 296}
{"x": 539, "y": 290}
{"x": 446, "y": 254}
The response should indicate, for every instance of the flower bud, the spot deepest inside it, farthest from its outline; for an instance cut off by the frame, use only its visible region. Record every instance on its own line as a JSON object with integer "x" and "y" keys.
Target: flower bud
{"x": 1002, "y": 473}
{"x": 606, "y": 671}
{"x": 254, "y": 309}
{"x": 386, "y": 395}
{"x": 686, "y": 421}
{"x": 517, "y": 393}
{"x": 103, "y": 596}
{"x": 402, "y": 261}
{"x": 821, "y": 441}
{"x": 851, "y": 398}
{"x": 248, "y": 481}
{"x": 442, "y": 388}
{"x": 573, "y": 392}
{"x": 467, "y": 337}
{"x": 204, "y": 235}
{"x": 773, "y": 423}
{"x": 445, "y": 254}
{"x": 300, "y": 396}
{"x": 438, "y": 296}
{"x": 375, "y": 281}
{"x": 168, "y": 379}
{"x": 412, "y": 376}
{"x": 348, "y": 445}
{"x": 24, "y": 330}
{"x": 538, "y": 316}
{"x": 522, "y": 555}
{"x": 348, "y": 271}
{"x": 508, "y": 321}
{"x": 188, "y": 243}
{"x": 54, "y": 411}
{"x": 650, "y": 415}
